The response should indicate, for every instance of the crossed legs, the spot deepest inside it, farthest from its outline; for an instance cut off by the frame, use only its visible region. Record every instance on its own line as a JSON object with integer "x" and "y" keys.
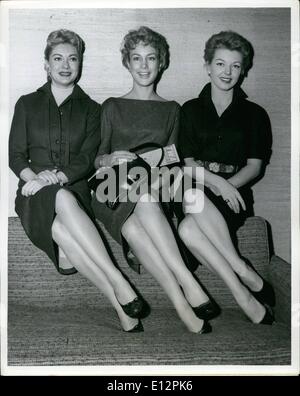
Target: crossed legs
{"x": 152, "y": 241}
{"x": 206, "y": 234}
{"x": 76, "y": 234}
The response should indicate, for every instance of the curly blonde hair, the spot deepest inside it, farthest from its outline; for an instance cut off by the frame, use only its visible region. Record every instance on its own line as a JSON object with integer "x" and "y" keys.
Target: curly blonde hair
{"x": 146, "y": 36}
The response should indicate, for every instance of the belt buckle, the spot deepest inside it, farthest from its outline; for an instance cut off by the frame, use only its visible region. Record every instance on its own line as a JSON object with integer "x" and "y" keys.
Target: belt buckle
{"x": 214, "y": 167}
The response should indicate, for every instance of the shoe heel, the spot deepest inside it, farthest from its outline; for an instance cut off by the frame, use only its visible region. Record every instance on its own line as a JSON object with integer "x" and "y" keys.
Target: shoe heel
{"x": 138, "y": 328}
{"x": 266, "y": 295}
{"x": 206, "y": 328}
{"x": 268, "y": 318}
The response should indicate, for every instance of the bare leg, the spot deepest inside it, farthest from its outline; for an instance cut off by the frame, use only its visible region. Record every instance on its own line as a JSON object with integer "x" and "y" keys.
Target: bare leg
{"x": 213, "y": 225}
{"x": 158, "y": 229}
{"x": 201, "y": 246}
{"x": 89, "y": 270}
{"x": 144, "y": 249}
{"x": 85, "y": 234}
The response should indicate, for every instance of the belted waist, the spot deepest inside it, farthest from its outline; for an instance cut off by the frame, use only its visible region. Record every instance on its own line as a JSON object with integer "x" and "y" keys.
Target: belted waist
{"x": 217, "y": 167}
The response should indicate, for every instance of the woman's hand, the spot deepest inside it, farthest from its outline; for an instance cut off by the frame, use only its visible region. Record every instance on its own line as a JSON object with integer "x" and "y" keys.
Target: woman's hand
{"x": 116, "y": 158}
{"x": 229, "y": 193}
{"x": 48, "y": 176}
{"x": 62, "y": 178}
{"x": 33, "y": 186}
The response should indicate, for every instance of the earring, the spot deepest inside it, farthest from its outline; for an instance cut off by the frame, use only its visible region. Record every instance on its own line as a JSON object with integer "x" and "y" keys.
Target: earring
{"x": 48, "y": 75}
{"x": 208, "y": 73}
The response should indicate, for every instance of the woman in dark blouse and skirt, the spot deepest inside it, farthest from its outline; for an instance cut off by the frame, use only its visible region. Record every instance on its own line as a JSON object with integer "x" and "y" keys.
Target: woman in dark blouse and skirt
{"x": 228, "y": 137}
{"x": 53, "y": 142}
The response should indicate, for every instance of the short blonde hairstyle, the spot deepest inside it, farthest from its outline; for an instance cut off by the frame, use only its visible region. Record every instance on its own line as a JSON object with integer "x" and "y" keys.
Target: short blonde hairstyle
{"x": 64, "y": 36}
{"x": 146, "y": 36}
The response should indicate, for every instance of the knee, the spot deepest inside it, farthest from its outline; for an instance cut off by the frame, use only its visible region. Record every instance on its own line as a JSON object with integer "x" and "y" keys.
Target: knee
{"x": 64, "y": 201}
{"x": 132, "y": 229}
{"x": 185, "y": 229}
{"x": 189, "y": 233}
{"x": 61, "y": 235}
{"x": 194, "y": 201}
{"x": 59, "y": 231}
{"x": 147, "y": 207}
{"x": 198, "y": 204}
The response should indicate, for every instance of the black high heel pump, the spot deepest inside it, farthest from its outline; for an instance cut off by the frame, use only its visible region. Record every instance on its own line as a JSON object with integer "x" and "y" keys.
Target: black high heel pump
{"x": 206, "y": 328}
{"x": 266, "y": 295}
{"x": 206, "y": 311}
{"x": 134, "y": 308}
{"x": 268, "y": 318}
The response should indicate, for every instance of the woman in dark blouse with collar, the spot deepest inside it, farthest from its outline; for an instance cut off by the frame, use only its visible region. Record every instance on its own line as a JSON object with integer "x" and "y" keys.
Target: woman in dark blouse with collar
{"x": 54, "y": 138}
{"x": 229, "y": 138}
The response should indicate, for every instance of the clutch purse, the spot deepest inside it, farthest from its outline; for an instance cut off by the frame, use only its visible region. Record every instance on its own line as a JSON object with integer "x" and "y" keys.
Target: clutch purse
{"x": 126, "y": 178}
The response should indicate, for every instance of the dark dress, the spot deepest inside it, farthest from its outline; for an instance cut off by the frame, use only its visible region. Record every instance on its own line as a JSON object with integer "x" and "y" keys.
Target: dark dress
{"x": 125, "y": 124}
{"x": 243, "y": 131}
{"x": 45, "y": 136}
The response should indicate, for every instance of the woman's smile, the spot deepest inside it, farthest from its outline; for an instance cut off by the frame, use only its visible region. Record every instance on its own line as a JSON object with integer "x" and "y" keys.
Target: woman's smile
{"x": 226, "y": 79}
{"x": 225, "y": 69}
{"x": 63, "y": 65}
{"x": 65, "y": 73}
{"x": 143, "y": 64}
{"x": 144, "y": 74}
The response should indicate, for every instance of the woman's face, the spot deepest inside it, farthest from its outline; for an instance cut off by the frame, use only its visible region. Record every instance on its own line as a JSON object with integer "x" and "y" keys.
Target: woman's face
{"x": 225, "y": 68}
{"x": 143, "y": 64}
{"x": 63, "y": 65}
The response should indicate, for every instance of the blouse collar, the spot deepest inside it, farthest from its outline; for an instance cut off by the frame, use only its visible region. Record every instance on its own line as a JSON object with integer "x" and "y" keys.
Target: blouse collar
{"x": 77, "y": 93}
{"x": 205, "y": 94}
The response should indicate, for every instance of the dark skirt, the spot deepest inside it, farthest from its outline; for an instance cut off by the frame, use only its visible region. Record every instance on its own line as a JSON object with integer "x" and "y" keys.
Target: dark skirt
{"x": 234, "y": 220}
{"x": 113, "y": 220}
{"x": 37, "y": 213}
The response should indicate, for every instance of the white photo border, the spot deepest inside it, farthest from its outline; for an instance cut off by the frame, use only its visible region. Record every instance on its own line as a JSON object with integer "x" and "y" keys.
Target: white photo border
{"x": 293, "y": 369}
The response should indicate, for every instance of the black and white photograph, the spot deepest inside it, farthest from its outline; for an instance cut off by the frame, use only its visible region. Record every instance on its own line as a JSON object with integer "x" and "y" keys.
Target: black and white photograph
{"x": 149, "y": 188}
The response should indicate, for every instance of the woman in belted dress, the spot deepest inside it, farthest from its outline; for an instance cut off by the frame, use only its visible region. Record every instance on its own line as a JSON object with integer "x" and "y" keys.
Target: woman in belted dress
{"x": 229, "y": 139}
{"x": 138, "y": 117}
{"x": 54, "y": 138}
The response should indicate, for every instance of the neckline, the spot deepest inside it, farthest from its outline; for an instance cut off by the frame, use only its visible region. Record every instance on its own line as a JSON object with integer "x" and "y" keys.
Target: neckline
{"x": 225, "y": 109}
{"x": 77, "y": 92}
{"x": 61, "y": 95}
{"x": 144, "y": 100}
{"x": 238, "y": 93}
{"x": 59, "y": 89}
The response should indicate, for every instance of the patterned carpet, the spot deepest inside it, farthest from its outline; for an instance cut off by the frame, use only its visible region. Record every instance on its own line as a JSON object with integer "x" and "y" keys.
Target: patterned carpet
{"x": 64, "y": 320}
{"x": 93, "y": 337}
